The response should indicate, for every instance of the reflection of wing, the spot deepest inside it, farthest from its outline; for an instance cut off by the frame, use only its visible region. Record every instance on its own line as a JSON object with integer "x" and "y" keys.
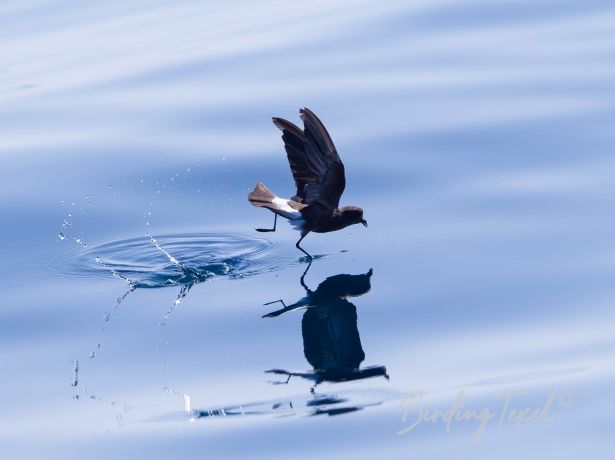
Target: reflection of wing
{"x": 314, "y": 162}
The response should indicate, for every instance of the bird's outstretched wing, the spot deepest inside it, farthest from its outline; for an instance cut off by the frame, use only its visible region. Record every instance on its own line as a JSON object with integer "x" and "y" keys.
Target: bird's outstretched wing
{"x": 314, "y": 162}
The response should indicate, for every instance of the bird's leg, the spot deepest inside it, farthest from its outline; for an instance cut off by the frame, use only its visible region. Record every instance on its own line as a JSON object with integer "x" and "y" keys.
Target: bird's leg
{"x": 276, "y": 301}
{"x": 275, "y": 221}
{"x": 303, "y": 235}
{"x": 278, "y": 372}
{"x": 286, "y": 308}
{"x": 305, "y": 273}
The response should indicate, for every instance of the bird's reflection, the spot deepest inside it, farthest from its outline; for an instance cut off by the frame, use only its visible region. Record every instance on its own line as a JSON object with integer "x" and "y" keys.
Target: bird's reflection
{"x": 331, "y": 341}
{"x": 332, "y": 346}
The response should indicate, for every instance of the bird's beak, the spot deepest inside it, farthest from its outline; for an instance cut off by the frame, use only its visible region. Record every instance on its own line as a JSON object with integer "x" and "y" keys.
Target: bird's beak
{"x": 364, "y": 222}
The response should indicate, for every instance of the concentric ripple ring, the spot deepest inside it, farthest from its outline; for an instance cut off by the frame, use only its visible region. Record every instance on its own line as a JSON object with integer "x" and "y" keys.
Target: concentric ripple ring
{"x": 179, "y": 259}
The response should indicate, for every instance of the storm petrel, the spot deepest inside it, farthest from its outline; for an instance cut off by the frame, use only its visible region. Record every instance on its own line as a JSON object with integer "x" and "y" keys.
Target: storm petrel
{"x": 319, "y": 176}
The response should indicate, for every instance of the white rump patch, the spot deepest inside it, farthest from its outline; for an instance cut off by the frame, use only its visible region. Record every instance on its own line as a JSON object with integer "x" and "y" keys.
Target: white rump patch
{"x": 281, "y": 204}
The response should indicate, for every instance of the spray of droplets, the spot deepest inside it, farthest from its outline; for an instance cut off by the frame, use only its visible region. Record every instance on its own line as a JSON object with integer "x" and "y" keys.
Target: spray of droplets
{"x": 67, "y": 223}
{"x": 114, "y": 272}
{"x": 183, "y": 292}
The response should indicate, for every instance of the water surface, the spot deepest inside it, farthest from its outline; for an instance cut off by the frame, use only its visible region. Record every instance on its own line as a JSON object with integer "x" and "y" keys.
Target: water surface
{"x": 477, "y": 137}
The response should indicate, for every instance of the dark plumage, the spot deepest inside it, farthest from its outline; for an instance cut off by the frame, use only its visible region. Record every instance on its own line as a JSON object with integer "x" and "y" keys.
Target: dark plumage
{"x": 319, "y": 177}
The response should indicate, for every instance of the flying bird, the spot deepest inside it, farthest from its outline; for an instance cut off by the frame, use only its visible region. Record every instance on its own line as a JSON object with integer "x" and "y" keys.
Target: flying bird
{"x": 319, "y": 177}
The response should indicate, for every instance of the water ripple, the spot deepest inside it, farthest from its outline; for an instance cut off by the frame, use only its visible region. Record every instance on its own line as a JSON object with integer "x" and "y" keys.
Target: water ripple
{"x": 179, "y": 259}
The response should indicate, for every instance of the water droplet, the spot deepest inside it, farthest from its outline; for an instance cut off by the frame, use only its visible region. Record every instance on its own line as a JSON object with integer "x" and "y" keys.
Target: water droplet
{"x": 75, "y": 380}
{"x": 61, "y": 236}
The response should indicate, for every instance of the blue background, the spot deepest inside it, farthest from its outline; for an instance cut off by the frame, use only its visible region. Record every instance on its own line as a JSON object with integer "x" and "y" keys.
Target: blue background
{"x": 477, "y": 136}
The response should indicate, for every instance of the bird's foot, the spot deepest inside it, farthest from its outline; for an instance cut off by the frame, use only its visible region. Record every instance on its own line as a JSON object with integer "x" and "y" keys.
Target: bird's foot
{"x": 275, "y": 221}
{"x": 275, "y": 301}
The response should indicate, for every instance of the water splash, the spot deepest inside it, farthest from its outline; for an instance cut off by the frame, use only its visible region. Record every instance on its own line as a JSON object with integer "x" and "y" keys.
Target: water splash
{"x": 79, "y": 241}
{"x": 115, "y": 273}
{"x": 94, "y": 352}
{"x": 172, "y": 259}
{"x": 75, "y": 379}
{"x": 177, "y": 260}
{"x": 119, "y": 300}
{"x": 183, "y": 292}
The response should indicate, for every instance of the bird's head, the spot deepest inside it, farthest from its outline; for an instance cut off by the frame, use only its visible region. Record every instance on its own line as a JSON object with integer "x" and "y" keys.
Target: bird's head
{"x": 352, "y": 215}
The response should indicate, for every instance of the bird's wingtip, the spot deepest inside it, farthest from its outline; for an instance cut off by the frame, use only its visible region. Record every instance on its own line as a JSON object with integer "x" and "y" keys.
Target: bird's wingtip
{"x": 278, "y": 123}
{"x": 304, "y": 113}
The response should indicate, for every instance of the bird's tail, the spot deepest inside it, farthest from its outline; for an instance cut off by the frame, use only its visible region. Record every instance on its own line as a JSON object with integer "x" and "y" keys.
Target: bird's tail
{"x": 261, "y": 196}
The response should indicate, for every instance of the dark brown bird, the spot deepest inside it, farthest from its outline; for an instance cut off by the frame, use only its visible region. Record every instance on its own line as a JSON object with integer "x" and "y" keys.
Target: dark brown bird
{"x": 319, "y": 176}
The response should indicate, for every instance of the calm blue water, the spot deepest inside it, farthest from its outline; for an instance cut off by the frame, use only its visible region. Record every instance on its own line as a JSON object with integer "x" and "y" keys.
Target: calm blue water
{"x": 477, "y": 136}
